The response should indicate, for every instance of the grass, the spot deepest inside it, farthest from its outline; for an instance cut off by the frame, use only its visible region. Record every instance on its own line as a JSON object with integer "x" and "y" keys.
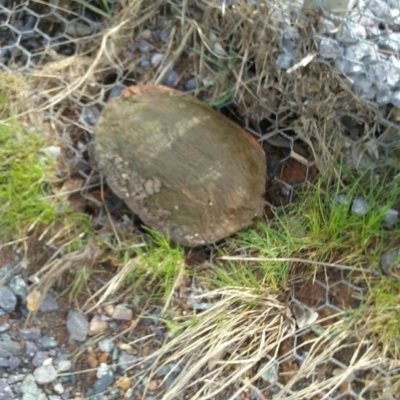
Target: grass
{"x": 103, "y": 10}
{"x": 318, "y": 232}
{"x": 31, "y": 212}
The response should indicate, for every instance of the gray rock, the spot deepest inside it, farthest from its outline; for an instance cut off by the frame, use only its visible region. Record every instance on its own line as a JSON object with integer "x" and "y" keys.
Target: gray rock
{"x": 9, "y": 348}
{"x": 58, "y": 387}
{"x": 390, "y": 260}
{"x": 77, "y": 325}
{"x": 351, "y": 32}
{"x": 285, "y": 60}
{"x": 54, "y": 397}
{"x": 106, "y": 345}
{"x": 48, "y": 342}
{"x": 361, "y": 51}
{"x": 8, "y": 300}
{"x": 379, "y": 8}
{"x": 104, "y": 382}
{"x": 144, "y": 46}
{"x": 156, "y": 59}
{"x": 6, "y": 270}
{"x": 102, "y": 369}
{"x": 329, "y": 48}
{"x": 30, "y": 348}
{"x": 364, "y": 18}
{"x": 390, "y": 41}
{"x": 126, "y": 361}
{"x": 30, "y": 334}
{"x": 359, "y": 206}
{"x": 4, "y": 362}
{"x": 116, "y": 91}
{"x": 5, "y": 391}
{"x": 365, "y": 89}
{"x": 381, "y": 73}
{"x": 342, "y": 199}
{"x": 395, "y": 98}
{"x": 63, "y": 365}
{"x": 14, "y": 363}
{"x": 270, "y": 375}
{"x": 349, "y": 67}
{"x": 191, "y": 84}
{"x": 170, "y": 79}
{"x": 89, "y": 115}
{"x": 165, "y": 35}
{"x": 29, "y": 386}
{"x": 45, "y": 374}
{"x": 39, "y": 358}
{"x": 145, "y": 63}
{"x": 391, "y": 218}
{"x": 49, "y": 303}
{"x": 18, "y": 286}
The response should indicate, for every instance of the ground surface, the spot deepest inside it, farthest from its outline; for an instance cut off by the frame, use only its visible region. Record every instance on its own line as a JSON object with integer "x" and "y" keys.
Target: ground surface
{"x": 130, "y": 316}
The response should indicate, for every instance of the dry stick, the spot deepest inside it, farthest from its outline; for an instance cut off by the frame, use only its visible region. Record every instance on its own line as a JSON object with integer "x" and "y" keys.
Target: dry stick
{"x": 289, "y": 259}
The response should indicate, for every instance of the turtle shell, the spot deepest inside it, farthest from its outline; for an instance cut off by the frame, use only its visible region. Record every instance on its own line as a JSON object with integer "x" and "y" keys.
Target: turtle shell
{"x": 182, "y": 167}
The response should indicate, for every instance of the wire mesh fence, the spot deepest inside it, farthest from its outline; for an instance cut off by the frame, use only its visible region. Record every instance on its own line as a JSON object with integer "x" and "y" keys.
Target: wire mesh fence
{"x": 302, "y": 69}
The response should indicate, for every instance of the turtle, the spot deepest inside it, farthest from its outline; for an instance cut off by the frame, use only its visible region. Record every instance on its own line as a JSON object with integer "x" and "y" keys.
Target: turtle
{"x": 182, "y": 167}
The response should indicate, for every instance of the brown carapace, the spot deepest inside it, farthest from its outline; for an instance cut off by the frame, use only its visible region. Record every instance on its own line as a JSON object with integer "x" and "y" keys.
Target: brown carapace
{"x": 181, "y": 166}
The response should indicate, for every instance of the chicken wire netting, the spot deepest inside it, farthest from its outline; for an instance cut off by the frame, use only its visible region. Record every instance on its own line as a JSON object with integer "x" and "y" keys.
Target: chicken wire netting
{"x": 357, "y": 42}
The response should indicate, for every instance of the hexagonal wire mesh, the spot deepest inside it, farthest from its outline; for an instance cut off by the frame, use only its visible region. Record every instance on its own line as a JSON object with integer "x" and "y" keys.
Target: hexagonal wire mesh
{"x": 360, "y": 44}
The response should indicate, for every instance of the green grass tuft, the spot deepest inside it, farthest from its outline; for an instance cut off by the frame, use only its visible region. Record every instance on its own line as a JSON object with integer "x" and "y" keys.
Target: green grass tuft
{"x": 24, "y": 180}
{"x": 159, "y": 266}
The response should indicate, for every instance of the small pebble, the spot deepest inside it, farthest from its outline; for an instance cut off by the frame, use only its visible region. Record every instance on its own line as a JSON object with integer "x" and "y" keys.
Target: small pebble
{"x": 390, "y": 260}
{"x": 64, "y": 365}
{"x": 102, "y": 369}
{"x": 89, "y": 115}
{"x": 115, "y": 91}
{"x": 156, "y": 59}
{"x": 271, "y": 374}
{"x": 106, "y": 345}
{"x": 145, "y": 63}
{"x": 191, "y": 84}
{"x": 29, "y": 386}
{"x": 391, "y": 218}
{"x": 45, "y": 374}
{"x": 77, "y": 325}
{"x": 170, "y": 79}
{"x": 126, "y": 361}
{"x": 9, "y": 348}
{"x": 4, "y": 363}
{"x": 53, "y": 151}
{"x": 8, "y": 300}
{"x": 109, "y": 309}
{"x": 39, "y": 358}
{"x": 144, "y": 46}
{"x": 5, "y": 391}
{"x": 18, "y": 286}
{"x": 58, "y": 387}
{"x": 48, "y": 342}
{"x": 122, "y": 312}
{"x": 30, "y": 334}
{"x": 146, "y": 34}
{"x": 165, "y": 35}
{"x": 359, "y": 207}
{"x": 14, "y": 363}
{"x": 49, "y": 303}
{"x": 30, "y": 348}
{"x": 97, "y": 325}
